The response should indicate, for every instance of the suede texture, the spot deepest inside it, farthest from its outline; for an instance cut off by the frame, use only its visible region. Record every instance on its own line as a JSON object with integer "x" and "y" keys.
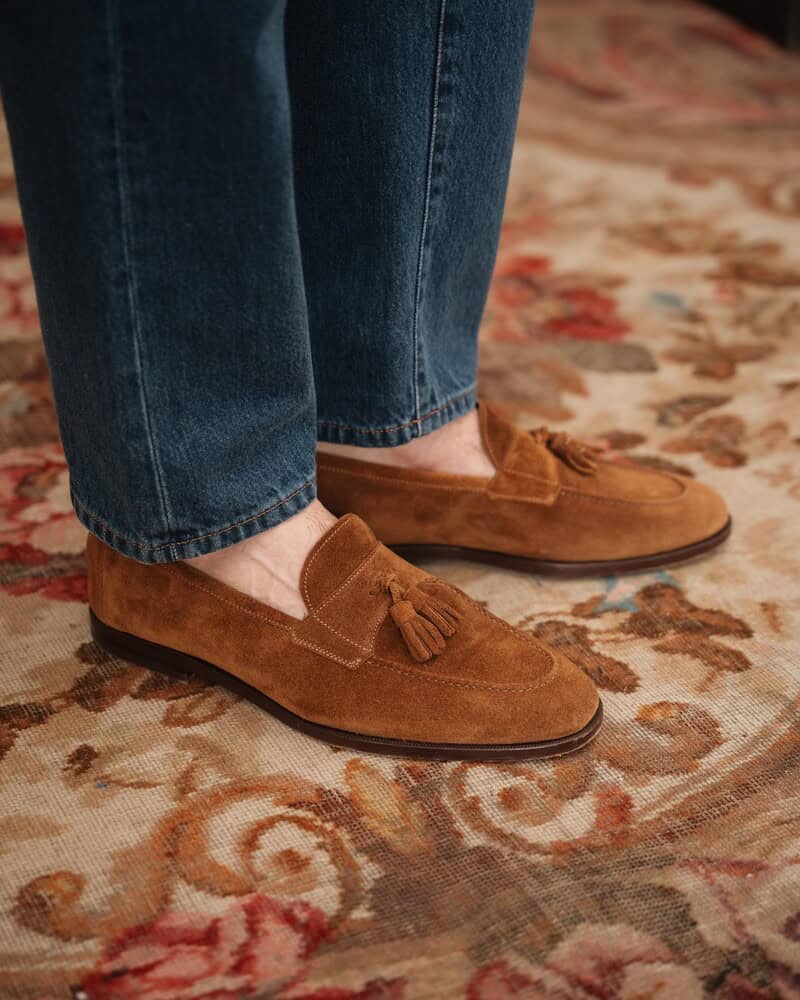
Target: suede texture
{"x": 347, "y": 665}
{"x": 536, "y": 505}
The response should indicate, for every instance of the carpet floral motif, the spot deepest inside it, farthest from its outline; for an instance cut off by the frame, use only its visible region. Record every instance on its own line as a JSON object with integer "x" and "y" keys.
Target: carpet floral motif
{"x": 162, "y": 840}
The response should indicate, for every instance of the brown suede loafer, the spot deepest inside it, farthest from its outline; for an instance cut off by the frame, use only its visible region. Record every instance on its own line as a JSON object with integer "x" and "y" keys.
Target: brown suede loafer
{"x": 552, "y": 507}
{"x": 388, "y": 660}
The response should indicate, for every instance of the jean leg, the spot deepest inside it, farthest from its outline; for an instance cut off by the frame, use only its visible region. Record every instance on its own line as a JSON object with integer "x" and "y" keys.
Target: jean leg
{"x": 152, "y": 144}
{"x": 404, "y": 118}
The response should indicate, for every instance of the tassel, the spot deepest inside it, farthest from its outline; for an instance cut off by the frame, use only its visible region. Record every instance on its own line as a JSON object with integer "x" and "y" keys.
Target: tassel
{"x": 438, "y": 612}
{"x": 423, "y": 621}
{"x": 578, "y": 455}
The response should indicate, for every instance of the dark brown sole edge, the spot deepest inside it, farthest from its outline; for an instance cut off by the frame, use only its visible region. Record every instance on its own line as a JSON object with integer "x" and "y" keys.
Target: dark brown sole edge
{"x": 565, "y": 570}
{"x": 176, "y": 664}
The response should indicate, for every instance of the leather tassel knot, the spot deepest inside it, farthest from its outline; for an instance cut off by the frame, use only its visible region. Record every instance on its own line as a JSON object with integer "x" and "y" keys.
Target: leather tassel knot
{"x": 578, "y": 455}
{"x": 425, "y": 622}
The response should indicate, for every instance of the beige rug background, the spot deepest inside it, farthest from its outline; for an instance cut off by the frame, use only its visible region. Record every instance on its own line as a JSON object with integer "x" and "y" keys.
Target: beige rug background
{"x": 164, "y": 842}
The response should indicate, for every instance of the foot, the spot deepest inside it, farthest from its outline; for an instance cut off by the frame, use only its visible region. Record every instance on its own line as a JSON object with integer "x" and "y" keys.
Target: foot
{"x": 531, "y": 500}
{"x": 389, "y": 659}
{"x": 268, "y": 565}
{"x": 457, "y": 447}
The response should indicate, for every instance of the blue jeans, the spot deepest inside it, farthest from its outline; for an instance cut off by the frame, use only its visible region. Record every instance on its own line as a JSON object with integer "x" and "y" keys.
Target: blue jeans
{"x": 253, "y": 225}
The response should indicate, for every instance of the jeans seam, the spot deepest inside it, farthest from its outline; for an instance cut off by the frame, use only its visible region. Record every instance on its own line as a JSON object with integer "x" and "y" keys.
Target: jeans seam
{"x": 124, "y": 194}
{"x": 172, "y": 545}
{"x": 437, "y": 75}
{"x": 409, "y": 423}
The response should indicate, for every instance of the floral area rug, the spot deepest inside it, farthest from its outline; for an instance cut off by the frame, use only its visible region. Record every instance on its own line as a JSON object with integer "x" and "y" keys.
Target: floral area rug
{"x": 164, "y": 841}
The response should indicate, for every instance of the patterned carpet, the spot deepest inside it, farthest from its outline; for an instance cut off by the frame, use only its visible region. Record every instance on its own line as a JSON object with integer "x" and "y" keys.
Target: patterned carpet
{"x": 161, "y": 841}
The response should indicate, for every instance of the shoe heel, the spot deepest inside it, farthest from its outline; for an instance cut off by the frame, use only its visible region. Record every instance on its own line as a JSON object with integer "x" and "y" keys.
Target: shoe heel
{"x": 144, "y": 653}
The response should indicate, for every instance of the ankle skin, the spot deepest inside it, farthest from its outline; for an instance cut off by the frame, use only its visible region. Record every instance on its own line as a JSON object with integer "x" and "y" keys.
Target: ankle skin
{"x": 457, "y": 448}
{"x": 268, "y": 565}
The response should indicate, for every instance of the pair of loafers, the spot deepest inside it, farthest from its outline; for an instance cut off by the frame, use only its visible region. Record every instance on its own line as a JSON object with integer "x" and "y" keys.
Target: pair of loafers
{"x": 390, "y": 659}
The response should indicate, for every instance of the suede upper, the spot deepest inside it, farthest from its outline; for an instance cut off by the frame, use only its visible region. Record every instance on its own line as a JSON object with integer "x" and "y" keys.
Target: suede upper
{"x": 550, "y": 499}
{"x": 385, "y": 650}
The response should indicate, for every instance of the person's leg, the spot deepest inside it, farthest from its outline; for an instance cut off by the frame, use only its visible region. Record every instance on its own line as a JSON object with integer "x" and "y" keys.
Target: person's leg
{"x": 404, "y": 118}
{"x": 152, "y": 146}
{"x": 404, "y": 125}
{"x": 156, "y": 183}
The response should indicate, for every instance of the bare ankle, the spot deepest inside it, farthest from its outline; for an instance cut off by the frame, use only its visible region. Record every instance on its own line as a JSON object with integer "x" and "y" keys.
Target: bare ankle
{"x": 456, "y": 447}
{"x": 268, "y": 565}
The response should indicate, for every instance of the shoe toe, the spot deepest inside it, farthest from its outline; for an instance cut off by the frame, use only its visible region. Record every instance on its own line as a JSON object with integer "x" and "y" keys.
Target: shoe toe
{"x": 561, "y": 706}
{"x": 571, "y": 697}
{"x": 703, "y": 513}
{"x": 674, "y": 512}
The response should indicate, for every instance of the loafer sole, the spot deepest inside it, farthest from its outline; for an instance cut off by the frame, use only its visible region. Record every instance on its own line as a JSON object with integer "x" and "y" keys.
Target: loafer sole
{"x": 549, "y": 567}
{"x": 180, "y": 665}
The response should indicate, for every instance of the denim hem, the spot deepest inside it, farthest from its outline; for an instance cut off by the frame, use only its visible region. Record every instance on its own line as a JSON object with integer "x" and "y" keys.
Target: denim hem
{"x": 198, "y": 545}
{"x": 390, "y": 437}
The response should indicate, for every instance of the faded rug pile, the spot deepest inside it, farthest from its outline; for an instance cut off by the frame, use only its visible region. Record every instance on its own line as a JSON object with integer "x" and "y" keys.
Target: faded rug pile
{"x": 164, "y": 841}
